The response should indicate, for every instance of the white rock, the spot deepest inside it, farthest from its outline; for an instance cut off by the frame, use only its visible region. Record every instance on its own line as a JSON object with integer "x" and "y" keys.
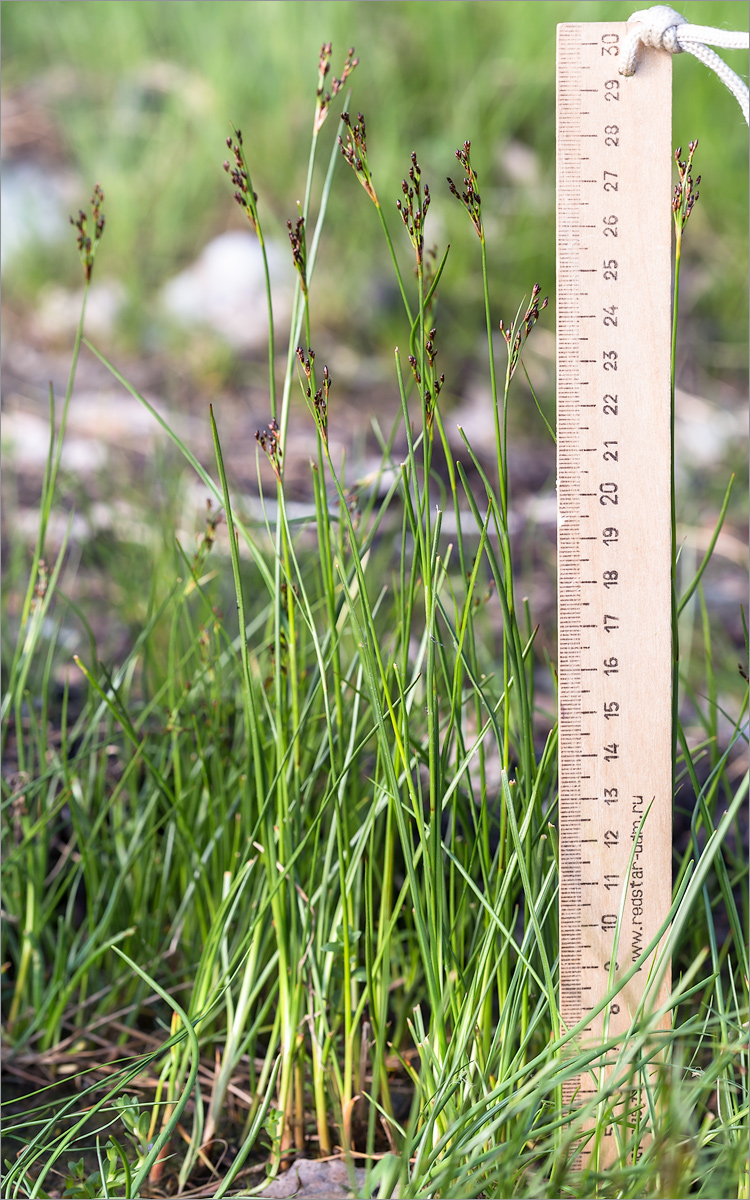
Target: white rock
{"x": 705, "y": 432}
{"x": 35, "y": 203}
{"x": 58, "y": 310}
{"x": 225, "y": 290}
{"x": 97, "y": 423}
{"x": 521, "y": 163}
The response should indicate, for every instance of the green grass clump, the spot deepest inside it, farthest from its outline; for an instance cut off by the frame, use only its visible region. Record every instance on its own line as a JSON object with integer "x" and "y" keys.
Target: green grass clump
{"x": 288, "y": 882}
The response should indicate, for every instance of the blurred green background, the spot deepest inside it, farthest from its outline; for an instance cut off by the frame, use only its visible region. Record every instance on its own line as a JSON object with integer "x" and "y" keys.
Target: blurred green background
{"x": 142, "y": 95}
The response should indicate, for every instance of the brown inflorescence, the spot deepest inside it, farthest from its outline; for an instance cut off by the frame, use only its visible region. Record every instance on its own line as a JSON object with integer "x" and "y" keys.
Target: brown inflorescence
{"x": 354, "y": 150}
{"x": 324, "y": 66}
{"x": 318, "y": 401}
{"x": 516, "y": 335}
{"x": 299, "y": 249}
{"x": 429, "y": 395}
{"x": 414, "y": 207}
{"x": 269, "y": 441}
{"x": 86, "y": 241}
{"x": 470, "y": 198}
{"x": 239, "y": 175}
{"x": 684, "y": 195}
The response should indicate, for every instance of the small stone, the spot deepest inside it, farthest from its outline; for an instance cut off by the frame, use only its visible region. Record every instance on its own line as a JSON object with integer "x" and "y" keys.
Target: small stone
{"x": 310, "y": 1179}
{"x": 224, "y": 290}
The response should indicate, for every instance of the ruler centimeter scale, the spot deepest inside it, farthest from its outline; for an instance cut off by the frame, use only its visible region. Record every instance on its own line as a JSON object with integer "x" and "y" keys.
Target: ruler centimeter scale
{"x": 614, "y": 162}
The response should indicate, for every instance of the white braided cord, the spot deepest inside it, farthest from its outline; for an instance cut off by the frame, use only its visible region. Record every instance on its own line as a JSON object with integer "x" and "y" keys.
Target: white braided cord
{"x": 662, "y": 28}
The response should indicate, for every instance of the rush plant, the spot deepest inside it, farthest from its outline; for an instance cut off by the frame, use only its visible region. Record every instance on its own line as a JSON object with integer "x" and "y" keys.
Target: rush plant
{"x": 314, "y": 910}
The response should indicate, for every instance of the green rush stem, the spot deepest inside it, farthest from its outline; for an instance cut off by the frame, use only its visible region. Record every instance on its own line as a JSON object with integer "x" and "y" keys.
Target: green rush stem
{"x": 288, "y": 993}
{"x": 467, "y": 618}
{"x": 311, "y": 167}
{"x": 45, "y": 507}
{"x": 384, "y": 972}
{"x": 396, "y": 267}
{"x": 500, "y": 444}
{"x": 374, "y": 658}
{"x": 673, "y": 506}
{"x": 499, "y": 440}
{"x": 342, "y": 833}
{"x": 329, "y": 587}
{"x": 271, "y": 340}
{"x": 273, "y": 850}
{"x": 49, "y": 489}
{"x": 508, "y": 567}
{"x": 247, "y": 679}
{"x": 430, "y": 620}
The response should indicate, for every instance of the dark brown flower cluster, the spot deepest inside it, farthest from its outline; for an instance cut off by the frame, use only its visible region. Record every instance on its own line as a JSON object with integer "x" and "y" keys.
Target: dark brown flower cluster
{"x": 299, "y": 249}
{"x": 324, "y": 67}
{"x": 429, "y": 394}
{"x": 207, "y": 538}
{"x": 470, "y": 198}
{"x": 318, "y": 401}
{"x": 684, "y": 195}
{"x": 516, "y": 335}
{"x": 354, "y": 150}
{"x": 414, "y": 207}
{"x": 270, "y": 443}
{"x": 238, "y": 173}
{"x": 430, "y": 348}
{"x": 88, "y": 242}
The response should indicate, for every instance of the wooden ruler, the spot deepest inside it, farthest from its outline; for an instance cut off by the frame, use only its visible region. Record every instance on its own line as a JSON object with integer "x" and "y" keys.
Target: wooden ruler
{"x": 614, "y": 163}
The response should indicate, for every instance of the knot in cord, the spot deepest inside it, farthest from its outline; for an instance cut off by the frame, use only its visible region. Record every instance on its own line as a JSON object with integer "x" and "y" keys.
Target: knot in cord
{"x": 662, "y": 28}
{"x": 655, "y": 27}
